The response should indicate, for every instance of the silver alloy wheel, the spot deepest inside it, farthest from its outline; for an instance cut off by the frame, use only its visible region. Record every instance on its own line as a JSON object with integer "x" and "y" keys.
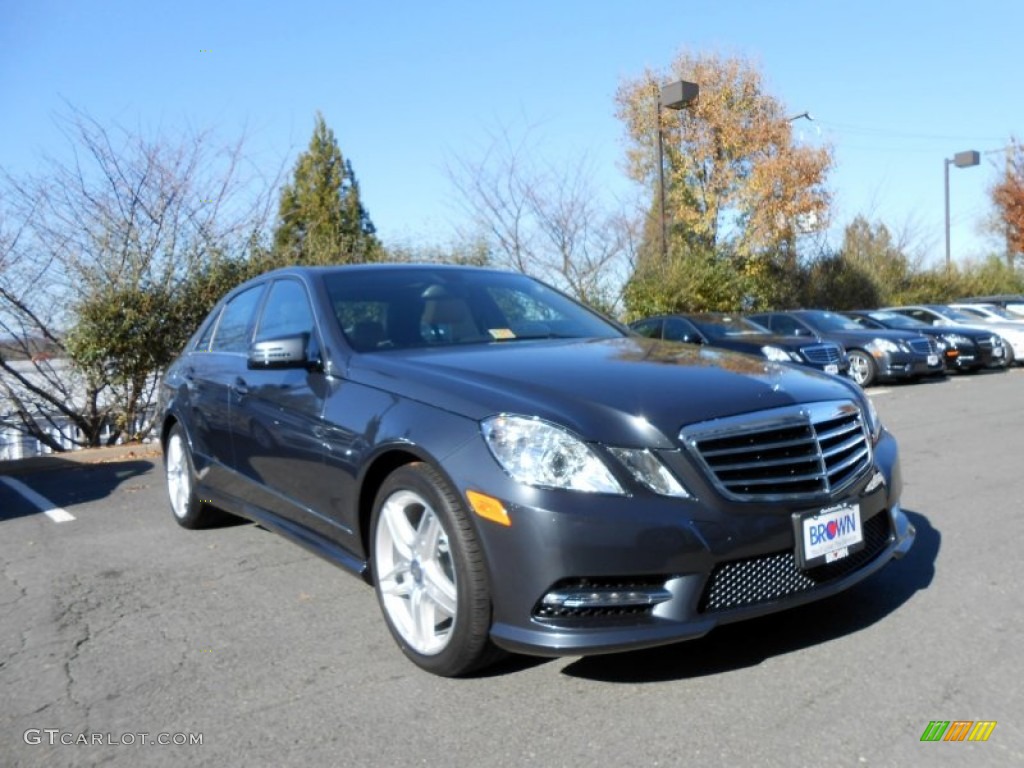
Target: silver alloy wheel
{"x": 179, "y": 478}
{"x": 860, "y": 368}
{"x": 416, "y": 572}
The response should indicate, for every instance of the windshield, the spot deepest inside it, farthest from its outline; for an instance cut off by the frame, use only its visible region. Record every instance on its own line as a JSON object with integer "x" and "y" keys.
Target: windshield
{"x": 896, "y": 320}
{"x": 830, "y": 321}
{"x": 954, "y": 315}
{"x": 866, "y": 322}
{"x": 721, "y": 326}
{"x": 989, "y": 310}
{"x": 418, "y": 306}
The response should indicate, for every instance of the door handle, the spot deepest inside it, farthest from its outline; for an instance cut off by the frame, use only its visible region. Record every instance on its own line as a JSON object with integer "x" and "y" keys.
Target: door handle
{"x": 240, "y": 388}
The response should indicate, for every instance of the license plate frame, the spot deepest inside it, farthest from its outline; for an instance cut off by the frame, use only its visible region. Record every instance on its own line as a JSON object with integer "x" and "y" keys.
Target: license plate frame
{"x": 827, "y": 535}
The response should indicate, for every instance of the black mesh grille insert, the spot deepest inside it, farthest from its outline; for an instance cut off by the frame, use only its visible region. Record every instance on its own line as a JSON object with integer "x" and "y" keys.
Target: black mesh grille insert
{"x": 756, "y": 580}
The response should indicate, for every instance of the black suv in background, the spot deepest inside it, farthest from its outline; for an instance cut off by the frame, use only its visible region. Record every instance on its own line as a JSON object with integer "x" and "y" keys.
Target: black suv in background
{"x": 873, "y": 355}
{"x": 963, "y": 349}
{"x": 742, "y": 335}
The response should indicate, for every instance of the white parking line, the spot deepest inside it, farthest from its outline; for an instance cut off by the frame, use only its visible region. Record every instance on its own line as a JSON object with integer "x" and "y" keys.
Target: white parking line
{"x": 43, "y": 504}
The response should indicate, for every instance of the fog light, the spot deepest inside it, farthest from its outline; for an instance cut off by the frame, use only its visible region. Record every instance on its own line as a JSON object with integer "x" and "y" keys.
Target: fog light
{"x": 605, "y": 597}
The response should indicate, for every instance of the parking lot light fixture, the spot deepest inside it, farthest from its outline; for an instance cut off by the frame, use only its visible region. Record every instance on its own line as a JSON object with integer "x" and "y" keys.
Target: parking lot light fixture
{"x": 676, "y": 96}
{"x": 961, "y": 160}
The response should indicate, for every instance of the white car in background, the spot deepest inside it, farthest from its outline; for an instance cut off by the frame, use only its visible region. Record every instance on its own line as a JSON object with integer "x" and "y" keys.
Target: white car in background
{"x": 1010, "y": 331}
{"x": 1011, "y": 302}
{"x": 989, "y": 313}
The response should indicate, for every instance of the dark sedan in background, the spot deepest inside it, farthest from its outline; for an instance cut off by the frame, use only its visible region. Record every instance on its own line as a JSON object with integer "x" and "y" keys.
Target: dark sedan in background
{"x": 742, "y": 335}
{"x": 963, "y": 349}
{"x": 512, "y": 471}
{"x": 997, "y": 350}
{"x": 873, "y": 355}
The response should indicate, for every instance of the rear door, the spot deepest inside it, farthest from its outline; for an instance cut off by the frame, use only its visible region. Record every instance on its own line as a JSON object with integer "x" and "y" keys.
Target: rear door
{"x": 210, "y": 373}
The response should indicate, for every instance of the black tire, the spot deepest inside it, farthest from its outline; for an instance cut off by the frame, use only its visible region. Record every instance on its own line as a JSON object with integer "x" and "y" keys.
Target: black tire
{"x": 435, "y": 599}
{"x": 180, "y": 472}
{"x": 862, "y": 368}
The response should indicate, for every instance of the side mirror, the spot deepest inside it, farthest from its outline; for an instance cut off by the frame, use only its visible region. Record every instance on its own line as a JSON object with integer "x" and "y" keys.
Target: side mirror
{"x": 287, "y": 352}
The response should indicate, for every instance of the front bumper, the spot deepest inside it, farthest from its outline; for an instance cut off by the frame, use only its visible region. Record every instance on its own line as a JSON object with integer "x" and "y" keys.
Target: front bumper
{"x": 702, "y": 562}
{"x": 904, "y": 366}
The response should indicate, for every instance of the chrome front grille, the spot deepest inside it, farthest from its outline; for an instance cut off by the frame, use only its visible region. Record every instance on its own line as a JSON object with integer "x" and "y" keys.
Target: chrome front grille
{"x": 796, "y": 452}
{"x": 924, "y": 346}
{"x": 822, "y": 354}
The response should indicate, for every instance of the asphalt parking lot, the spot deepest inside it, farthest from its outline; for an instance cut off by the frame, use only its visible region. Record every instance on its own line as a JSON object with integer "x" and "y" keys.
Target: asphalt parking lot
{"x": 122, "y": 630}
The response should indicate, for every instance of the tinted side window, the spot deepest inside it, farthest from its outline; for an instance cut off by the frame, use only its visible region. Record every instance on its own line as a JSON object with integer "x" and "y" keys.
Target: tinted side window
{"x": 786, "y": 326}
{"x": 286, "y": 312}
{"x": 232, "y": 333}
{"x": 203, "y": 344}
{"x": 649, "y": 328}
{"x": 920, "y": 314}
{"x": 680, "y": 330}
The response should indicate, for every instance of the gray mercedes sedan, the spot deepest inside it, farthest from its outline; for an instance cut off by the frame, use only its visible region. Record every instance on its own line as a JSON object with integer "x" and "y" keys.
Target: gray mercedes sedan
{"x": 513, "y": 472}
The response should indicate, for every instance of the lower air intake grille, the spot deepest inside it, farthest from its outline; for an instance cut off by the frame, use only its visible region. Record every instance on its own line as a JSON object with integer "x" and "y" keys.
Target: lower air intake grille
{"x": 757, "y": 580}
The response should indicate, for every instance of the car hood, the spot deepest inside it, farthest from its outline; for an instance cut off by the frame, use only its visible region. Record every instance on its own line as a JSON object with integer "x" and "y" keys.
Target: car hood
{"x": 858, "y": 338}
{"x": 1002, "y": 329}
{"x": 982, "y": 328}
{"x": 628, "y": 391}
{"x": 755, "y": 341}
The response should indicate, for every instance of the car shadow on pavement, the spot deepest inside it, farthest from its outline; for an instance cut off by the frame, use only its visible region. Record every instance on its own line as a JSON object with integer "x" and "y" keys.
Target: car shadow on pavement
{"x": 65, "y": 483}
{"x": 748, "y": 643}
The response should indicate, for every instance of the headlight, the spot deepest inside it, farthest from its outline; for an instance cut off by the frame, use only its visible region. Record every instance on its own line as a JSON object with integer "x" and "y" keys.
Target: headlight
{"x": 885, "y": 345}
{"x": 778, "y": 354}
{"x": 538, "y": 453}
{"x": 956, "y": 338}
{"x": 648, "y": 470}
{"x": 874, "y": 422}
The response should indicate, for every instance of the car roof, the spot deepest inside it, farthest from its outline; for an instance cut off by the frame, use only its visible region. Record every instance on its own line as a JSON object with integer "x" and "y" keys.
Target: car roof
{"x": 381, "y": 267}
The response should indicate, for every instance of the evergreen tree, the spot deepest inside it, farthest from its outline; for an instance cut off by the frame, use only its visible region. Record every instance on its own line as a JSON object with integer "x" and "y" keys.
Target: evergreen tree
{"x": 321, "y": 219}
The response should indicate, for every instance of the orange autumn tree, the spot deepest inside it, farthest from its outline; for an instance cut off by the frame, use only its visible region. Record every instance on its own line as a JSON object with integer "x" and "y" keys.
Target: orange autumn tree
{"x": 1008, "y": 196}
{"x": 740, "y": 190}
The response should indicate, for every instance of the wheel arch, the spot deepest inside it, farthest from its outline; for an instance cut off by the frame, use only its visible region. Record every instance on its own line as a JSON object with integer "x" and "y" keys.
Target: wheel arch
{"x": 169, "y": 421}
{"x": 373, "y": 478}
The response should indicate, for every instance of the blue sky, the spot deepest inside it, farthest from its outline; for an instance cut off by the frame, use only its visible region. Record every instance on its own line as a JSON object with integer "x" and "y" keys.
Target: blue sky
{"x": 408, "y": 87}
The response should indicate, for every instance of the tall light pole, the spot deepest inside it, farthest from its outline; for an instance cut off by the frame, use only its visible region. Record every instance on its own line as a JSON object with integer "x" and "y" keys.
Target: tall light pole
{"x": 961, "y": 160}
{"x": 672, "y": 96}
